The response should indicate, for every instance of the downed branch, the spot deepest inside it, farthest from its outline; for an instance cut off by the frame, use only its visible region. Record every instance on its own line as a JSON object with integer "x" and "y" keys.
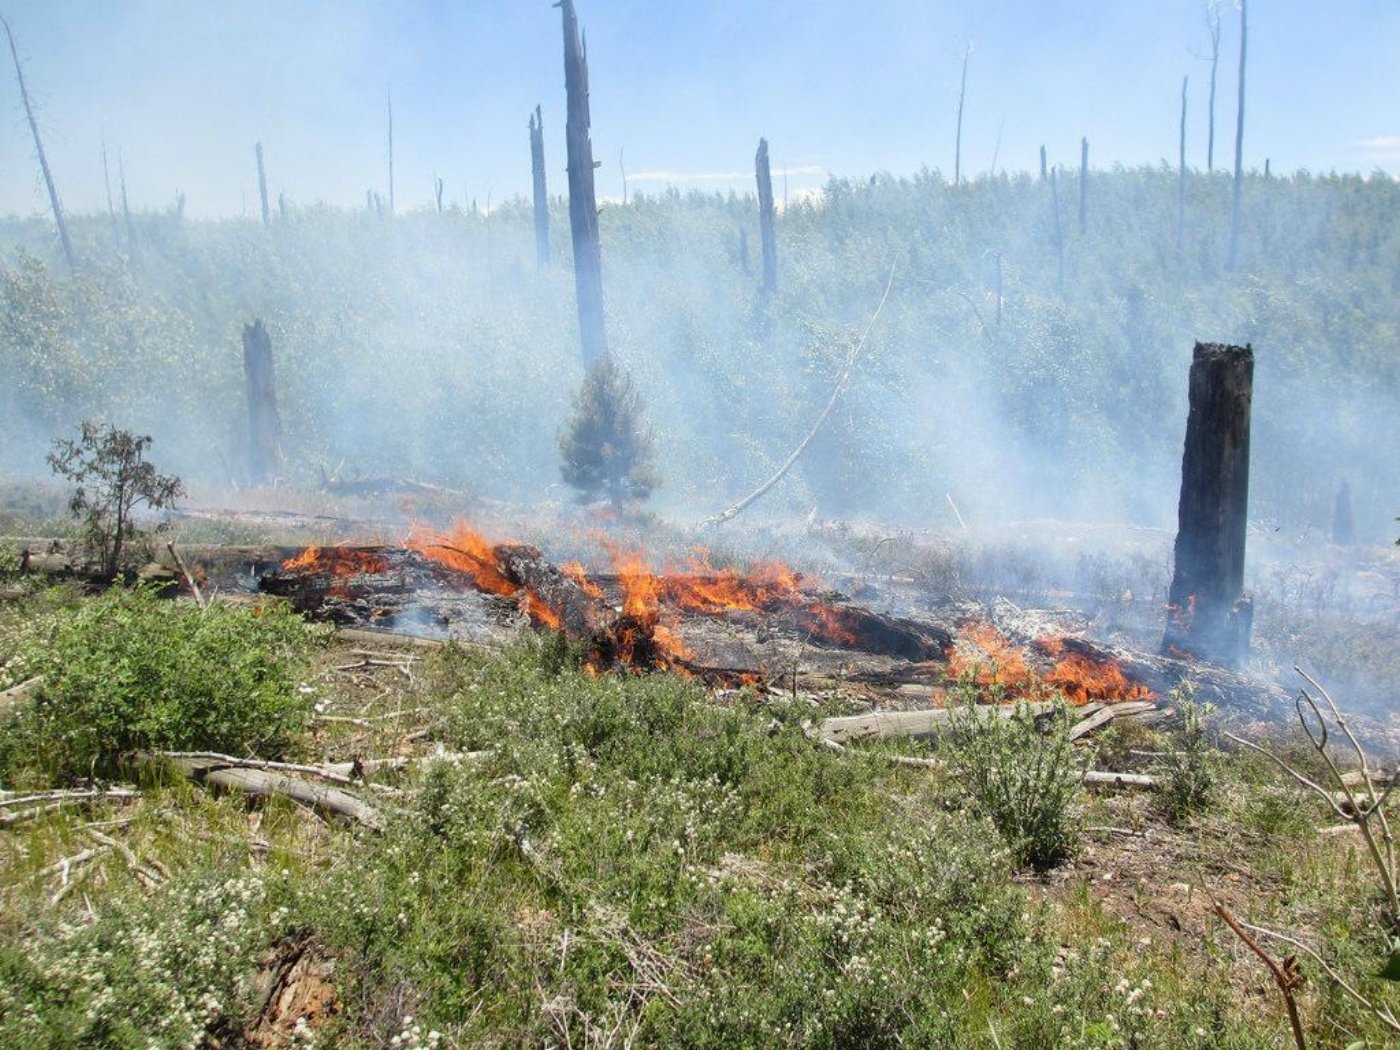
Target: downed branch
{"x": 38, "y": 803}
{"x": 925, "y": 725}
{"x": 189, "y": 577}
{"x": 327, "y": 801}
{"x": 1286, "y": 973}
{"x": 841, "y": 381}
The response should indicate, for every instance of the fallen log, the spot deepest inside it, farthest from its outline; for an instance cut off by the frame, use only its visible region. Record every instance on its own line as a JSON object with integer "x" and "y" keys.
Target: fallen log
{"x": 926, "y": 725}
{"x": 328, "y": 802}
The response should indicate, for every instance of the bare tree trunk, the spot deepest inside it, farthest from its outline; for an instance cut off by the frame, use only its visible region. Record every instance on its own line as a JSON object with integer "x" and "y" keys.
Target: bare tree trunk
{"x": 1238, "y": 196}
{"x": 437, "y": 193}
{"x": 111, "y": 208}
{"x": 1343, "y": 520}
{"x": 537, "y": 172}
{"x": 39, "y": 148}
{"x": 1044, "y": 172}
{"x": 262, "y": 186}
{"x": 766, "y": 224}
{"x": 1213, "y": 25}
{"x": 282, "y": 206}
{"x": 1059, "y": 229}
{"x": 389, "y": 98}
{"x": 264, "y": 425}
{"x": 622, "y": 167}
{"x": 962, "y": 94}
{"x": 126, "y": 213}
{"x": 1209, "y": 614}
{"x": 1083, "y": 184}
{"x": 583, "y": 203}
{"x": 179, "y": 205}
{"x": 1181, "y": 168}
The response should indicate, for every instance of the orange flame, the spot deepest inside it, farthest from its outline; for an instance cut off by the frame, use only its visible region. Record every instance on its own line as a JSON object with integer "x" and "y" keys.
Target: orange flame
{"x": 337, "y": 561}
{"x": 1082, "y": 679}
{"x": 988, "y": 659}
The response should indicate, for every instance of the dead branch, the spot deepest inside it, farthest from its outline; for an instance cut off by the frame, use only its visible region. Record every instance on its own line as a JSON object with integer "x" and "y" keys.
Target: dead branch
{"x": 1286, "y": 974}
{"x": 841, "y": 380}
{"x": 40, "y": 803}
{"x": 184, "y": 569}
{"x": 327, "y": 801}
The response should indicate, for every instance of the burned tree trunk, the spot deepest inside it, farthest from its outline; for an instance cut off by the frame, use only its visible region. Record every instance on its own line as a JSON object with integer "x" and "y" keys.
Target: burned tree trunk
{"x": 1083, "y": 184}
{"x": 766, "y": 230}
{"x": 262, "y": 186}
{"x": 1044, "y": 172}
{"x": 1209, "y": 613}
{"x": 264, "y": 426}
{"x": 39, "y": 148}
{"x": 1181, "y": 167}
{"x": 1237, "y": 197}
{"x": 962, "y": 95}
{"x": 1343, "y": 520}
{"x": 126, "y": 212}
{"x": 583, "y": 203}
{"x": 541, "y": 189}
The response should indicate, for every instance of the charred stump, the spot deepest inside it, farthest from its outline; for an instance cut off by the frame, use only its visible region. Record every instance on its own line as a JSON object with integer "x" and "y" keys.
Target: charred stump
{"x": 583, "y": 202}
{"x": 764, "y": 175}
{"x": 541, "y": 189}
{"x": 264, "y": 425}
{"x": 1209, "y": 614}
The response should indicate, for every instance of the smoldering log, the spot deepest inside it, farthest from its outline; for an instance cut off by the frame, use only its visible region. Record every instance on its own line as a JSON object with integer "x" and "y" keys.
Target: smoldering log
{"x": 766, "y": 227}
{"x": 264, "y": 425}
{"x": 1210, "y": 615}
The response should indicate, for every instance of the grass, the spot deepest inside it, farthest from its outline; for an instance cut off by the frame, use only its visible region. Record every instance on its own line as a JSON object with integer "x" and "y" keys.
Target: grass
{"x": 635, "y": 861}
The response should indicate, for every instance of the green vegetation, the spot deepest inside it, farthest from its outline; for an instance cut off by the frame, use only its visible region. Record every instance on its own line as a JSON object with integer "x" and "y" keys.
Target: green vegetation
{"x": 626, "y": 857}
{"x": 606, "y": 447}
{"x": 128, "y": 671}
{"x": 113, "y": 479}
{"x": 1189, "y": 767}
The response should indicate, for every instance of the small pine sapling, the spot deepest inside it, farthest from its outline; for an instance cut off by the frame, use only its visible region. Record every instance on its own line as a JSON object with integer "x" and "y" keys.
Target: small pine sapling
{"x": 606, "y": 447}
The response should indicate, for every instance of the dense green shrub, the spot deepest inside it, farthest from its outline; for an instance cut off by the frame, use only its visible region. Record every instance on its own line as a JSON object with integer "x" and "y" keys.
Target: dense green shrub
{"x": 1025, "y": 776}
{"x": 1190, "y": 779}
{"x": 129, "y": 671}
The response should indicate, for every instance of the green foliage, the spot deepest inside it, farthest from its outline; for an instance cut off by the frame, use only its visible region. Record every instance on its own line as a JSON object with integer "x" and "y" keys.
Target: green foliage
{"x": 1190, "y": 778}
{"x": 114, "y": 479}
{"x": 129, "y": 671}
{"x": 1024, "y": 774}
{"x": 606, "y": 447}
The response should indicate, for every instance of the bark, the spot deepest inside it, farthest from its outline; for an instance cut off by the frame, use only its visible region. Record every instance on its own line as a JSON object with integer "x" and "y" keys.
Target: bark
{"x": 262, "y": 186}
{"x": 39, "y": 148}
{"x": 1237, "y": 197}
{"x": 1209, "y": 612}
{"x": 537, "y": 172}
{"x": 583, "y": 203}
{"x": 264, "y": 426}
{"x": 766, "y": 225}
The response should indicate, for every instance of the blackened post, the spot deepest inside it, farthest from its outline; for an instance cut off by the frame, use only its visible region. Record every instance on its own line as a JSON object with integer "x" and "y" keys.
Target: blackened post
{"x": 583, "y": 202}
{"x": 764, "y": 175}
{"x": 1209, "y": 615}
{"x": 264, "y": 426}
{"x": 541, "y": 189}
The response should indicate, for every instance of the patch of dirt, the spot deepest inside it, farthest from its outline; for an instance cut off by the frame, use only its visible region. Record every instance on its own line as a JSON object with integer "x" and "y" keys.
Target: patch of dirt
{"x": 296, "y": 981}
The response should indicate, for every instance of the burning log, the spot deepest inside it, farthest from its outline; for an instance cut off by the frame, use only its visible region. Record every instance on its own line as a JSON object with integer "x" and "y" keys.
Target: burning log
{"x": 1210, "y": 615}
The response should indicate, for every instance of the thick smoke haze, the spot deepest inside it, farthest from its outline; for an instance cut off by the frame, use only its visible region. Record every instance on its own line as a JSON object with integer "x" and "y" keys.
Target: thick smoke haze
{"x": 1022, "y": 372}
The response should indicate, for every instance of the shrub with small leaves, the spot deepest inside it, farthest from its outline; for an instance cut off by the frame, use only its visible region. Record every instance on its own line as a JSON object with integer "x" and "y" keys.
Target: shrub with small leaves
{"x": 1189, "y": 768}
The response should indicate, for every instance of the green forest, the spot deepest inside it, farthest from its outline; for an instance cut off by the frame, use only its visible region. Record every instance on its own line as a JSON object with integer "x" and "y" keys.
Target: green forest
{"x": 1027, "y": 362}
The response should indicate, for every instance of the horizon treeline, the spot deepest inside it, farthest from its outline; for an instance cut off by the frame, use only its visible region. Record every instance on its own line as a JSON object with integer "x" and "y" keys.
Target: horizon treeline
{"x": 1024, "y": 365}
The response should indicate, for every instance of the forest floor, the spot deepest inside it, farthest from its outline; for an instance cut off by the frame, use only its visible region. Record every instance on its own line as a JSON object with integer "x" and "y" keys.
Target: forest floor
{"x": 563, "y": 859}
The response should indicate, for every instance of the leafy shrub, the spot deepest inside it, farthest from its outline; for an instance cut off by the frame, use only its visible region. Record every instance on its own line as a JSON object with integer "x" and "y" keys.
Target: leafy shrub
{"x": 127, "y": 671}
{"x": 1024, "y": 778}
{"x": 1189, "y": 768}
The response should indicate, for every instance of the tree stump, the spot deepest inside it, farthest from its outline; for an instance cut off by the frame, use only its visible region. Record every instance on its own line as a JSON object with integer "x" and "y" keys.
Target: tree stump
{"x": 264, "y": 425}
{"x": 1209, "y": 615}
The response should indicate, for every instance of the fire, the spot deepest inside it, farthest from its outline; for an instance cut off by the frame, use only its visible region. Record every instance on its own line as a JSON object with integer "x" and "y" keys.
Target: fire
{"x": 1081, "y": 678}
{"x": 466, "y": 551}
{"x": 989, "y": 660}
{"x": 337, "y": 561}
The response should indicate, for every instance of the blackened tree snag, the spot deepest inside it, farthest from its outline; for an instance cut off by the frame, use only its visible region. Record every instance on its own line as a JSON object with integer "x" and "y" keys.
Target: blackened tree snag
{"x": 1083, "y": 184}
{"x": 1181, "y": 168}
{"x": 262, "y": 186}
{"x": 764, "y": 175}
{"x": 1238, "y": 196}
{"x": 1209, "y": 613}
{"x": 126, "y": 212}
{"x": 1044, "y": 172}
{"x": 1059, "y": 229}
{"x": 111, "y": 208}
{"x": 583, "y": 203}
{"x": 962, "y": 95}
{"x": 541, "y": 189}
{"x": 264, "y": 426}
{"x": 1213, "y": 25}
{"x": 1343, "y": 520}
{"x": 54, "y": 202}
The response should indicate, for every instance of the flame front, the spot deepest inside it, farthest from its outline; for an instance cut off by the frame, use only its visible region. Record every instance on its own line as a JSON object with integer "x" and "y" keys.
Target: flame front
{"x": 988, "y": 659}
{"x": 337, "y": 561}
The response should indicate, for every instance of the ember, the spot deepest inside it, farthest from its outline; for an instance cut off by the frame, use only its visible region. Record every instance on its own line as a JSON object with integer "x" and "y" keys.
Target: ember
{"x": 337, "y": 561}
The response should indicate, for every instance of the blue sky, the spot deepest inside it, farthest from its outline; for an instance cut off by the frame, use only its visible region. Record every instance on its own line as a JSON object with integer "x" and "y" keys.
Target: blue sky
{"x": 184, "y": 89}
